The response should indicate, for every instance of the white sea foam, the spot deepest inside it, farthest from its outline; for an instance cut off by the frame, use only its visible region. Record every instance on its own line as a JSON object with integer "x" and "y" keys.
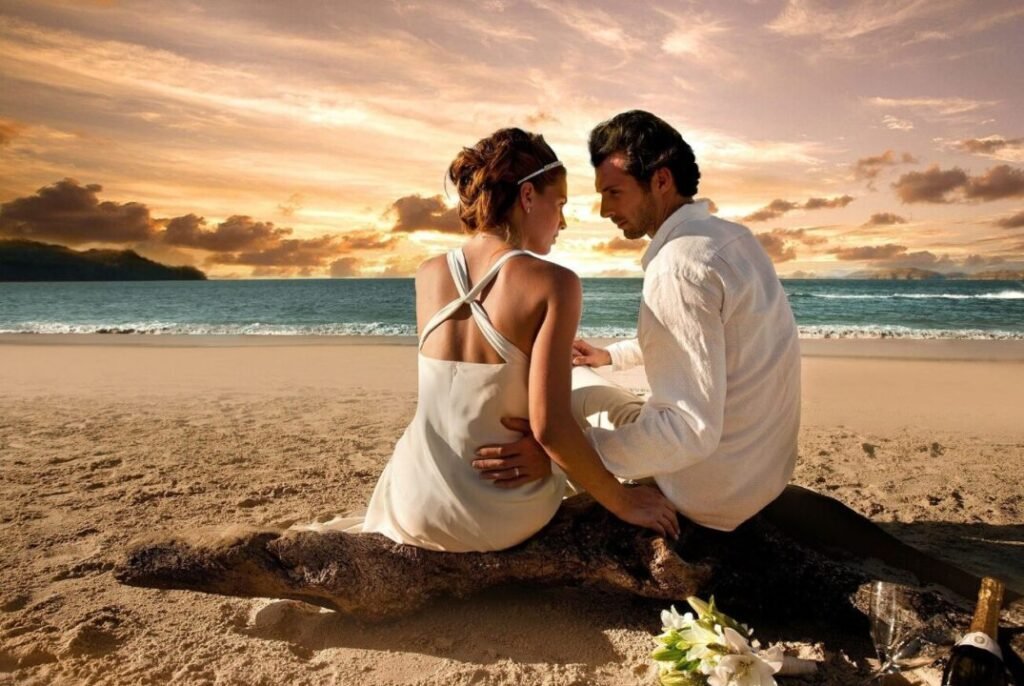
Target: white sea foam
{"x": 1001, "y": 295}
{"x": 380, "y": 329}
{"x": 178, "y": 329}
{"x": 878, "y": 331}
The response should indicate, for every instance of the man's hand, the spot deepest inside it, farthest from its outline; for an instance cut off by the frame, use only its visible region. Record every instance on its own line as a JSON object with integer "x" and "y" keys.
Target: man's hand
{"x": 513, "y": 464}
{"x": 586, "y": 355}
{"x": 646, "y": 506}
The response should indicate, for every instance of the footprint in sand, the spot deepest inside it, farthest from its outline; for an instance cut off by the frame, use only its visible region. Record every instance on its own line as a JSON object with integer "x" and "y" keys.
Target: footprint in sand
{"x": 99, "y": 633}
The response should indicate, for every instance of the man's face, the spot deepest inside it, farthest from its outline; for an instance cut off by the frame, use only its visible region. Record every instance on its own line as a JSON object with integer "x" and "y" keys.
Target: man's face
{"x": 625, "y": 200}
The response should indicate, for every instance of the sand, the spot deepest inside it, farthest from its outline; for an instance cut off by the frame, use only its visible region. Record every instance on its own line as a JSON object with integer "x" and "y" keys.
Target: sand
{"x": 106, "y": 437}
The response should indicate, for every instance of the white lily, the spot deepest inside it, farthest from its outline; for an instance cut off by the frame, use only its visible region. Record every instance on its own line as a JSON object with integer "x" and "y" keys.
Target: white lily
{"x": 671, "y": 619}
{"x": 743, "y": 667}
{"x": 742, "y": 670}
{"x": 699, "y": 638}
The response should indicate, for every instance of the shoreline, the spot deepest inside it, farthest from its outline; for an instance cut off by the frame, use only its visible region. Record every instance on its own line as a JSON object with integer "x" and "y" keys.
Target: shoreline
{"x": 873, "y": 348}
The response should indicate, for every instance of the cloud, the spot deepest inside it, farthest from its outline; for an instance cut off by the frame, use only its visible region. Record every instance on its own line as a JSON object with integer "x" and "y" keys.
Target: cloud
{"x": 827, "y": 203}
{"x": 776, "y": 247}
{"x": 931, "y": 185}
{"x": 997, "y": 183}
{"x": 366, "y": 240}
{"x": 935, "y": 107}
{"x": 236, "y": 233}
{"x": 973, "y": 261}
{"x": 402, "y": 266}
{"x": 778, "y": 207}
{"x": 620, "y": 246}
{"x": 9, "y": 130}
{"x": 896, "y": 124}
{"x": 870, "y": 167}
{"x": 869, "y": 252}
{"x": 779, "y": 243}
{"x": 289, "y": 206}
{"x": 345, "y": 267}
{"x": 293, "y": 252}
{"x": 1014, "y": 221}
{"x": 70, "y": 213}
{"x": 416, "y": 213}
{"x": 803, "y": 235}
{"x": 990, "y": 145}
{"x": 936, "y": 185}
{"x": 885, "y": 219}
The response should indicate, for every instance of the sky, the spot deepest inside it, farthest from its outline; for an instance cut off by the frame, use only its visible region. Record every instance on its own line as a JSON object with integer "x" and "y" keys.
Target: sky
{"x": 310, "y": 139}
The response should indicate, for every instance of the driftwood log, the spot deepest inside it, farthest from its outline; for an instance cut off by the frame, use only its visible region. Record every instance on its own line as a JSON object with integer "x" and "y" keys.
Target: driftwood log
{"x": 372, "y": 578}
{"x": 766, "y": 568}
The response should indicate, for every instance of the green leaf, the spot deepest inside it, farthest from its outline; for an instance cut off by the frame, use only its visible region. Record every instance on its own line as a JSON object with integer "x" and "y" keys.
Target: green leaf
{"x": 667, "y": 654}
{"x": 683, "y": 679}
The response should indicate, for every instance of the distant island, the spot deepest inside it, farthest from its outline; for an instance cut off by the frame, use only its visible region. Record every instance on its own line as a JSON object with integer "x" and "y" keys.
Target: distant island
{"x": 914, "y": 274}
{"x": 22, "y": 260}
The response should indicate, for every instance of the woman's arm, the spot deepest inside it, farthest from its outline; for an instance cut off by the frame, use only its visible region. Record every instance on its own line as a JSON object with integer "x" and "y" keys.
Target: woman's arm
{"x": 553, "y": 424}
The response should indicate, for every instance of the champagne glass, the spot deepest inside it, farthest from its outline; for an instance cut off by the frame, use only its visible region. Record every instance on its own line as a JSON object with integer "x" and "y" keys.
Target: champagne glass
{"x": 901, "y": 639}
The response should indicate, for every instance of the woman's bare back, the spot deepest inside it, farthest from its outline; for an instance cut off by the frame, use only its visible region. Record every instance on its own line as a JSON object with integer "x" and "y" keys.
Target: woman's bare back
{"x": 514, "y": 302}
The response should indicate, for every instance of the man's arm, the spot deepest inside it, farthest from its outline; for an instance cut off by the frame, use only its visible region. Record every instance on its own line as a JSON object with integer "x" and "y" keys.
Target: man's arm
{"x": 681, "y": 424}
{"x": 621, "y": 354}
{"x": 626, "y": 354}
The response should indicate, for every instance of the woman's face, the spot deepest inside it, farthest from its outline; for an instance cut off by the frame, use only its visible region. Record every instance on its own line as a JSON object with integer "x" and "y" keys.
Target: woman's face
{"x": 545, "y": 219}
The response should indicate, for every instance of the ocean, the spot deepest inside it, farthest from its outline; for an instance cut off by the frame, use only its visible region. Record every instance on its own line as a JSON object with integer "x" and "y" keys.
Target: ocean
{"x": 384, "y": 307}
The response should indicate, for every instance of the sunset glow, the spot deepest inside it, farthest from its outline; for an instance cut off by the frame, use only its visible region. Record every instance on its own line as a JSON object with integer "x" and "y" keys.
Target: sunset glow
{"x": 311, "y": 139}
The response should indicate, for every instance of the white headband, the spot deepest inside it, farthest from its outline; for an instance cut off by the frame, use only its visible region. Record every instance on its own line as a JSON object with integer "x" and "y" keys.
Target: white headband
{"x": 546, "y": 167}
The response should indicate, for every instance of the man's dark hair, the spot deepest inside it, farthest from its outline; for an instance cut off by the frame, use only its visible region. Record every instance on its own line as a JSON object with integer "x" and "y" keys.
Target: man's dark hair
{"x": 648, "y": 144}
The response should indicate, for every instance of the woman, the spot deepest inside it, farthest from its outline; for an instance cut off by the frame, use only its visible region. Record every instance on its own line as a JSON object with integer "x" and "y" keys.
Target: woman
{"x": 496, "y": 330}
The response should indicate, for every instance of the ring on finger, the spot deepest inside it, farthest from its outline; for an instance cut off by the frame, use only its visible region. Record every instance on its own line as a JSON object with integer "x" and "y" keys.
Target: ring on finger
{"x": 516, "y": 472}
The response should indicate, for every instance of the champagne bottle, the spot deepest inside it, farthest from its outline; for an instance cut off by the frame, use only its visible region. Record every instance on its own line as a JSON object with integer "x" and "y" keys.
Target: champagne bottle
{"x": 977, "y": 660}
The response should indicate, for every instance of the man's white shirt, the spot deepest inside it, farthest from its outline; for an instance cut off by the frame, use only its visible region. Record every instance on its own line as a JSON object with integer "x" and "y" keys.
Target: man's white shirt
{"x": 720, "y": 350}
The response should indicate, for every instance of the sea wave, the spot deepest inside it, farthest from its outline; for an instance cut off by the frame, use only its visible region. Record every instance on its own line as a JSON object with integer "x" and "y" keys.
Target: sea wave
{"x": 251, "y": 329}
{"x": 160, "y": 328}
{"x": 1001, "y": 295}
{"x": 905, "y": 332}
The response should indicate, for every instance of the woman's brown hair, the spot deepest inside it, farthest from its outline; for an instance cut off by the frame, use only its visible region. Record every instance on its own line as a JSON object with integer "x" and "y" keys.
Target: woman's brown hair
{"x": 487, "y": 177}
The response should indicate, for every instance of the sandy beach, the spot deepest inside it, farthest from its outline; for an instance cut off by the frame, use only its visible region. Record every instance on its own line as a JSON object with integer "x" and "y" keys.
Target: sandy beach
{"x": 106, "y": 437}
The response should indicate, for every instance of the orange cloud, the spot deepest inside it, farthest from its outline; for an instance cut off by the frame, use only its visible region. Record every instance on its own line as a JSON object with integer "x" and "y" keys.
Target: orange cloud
{"x": 416, "y": 213}
{"x": 345, "y": 267}
{"x": 885, "y": 219}
{"x": 870, "y": 167}
{"x": 70, "y": 213}
{"x": 997, "y": 183}
{"x": 777, "y": 208}
{"x": 236, "y": 233}
{"x": 366, "y": 240}
{"x": 9, "y": 130}
{"x": 620, "y": 246}
{"x": 989, "y": 145}
{"x": 312, "y": 252}
{"x": 935, "y": 185}
{"x": 1014, "y": 221}
{"x": 776, "y": 247}
{"x": 869, "y": 252}
{"x": 931, "y": 185}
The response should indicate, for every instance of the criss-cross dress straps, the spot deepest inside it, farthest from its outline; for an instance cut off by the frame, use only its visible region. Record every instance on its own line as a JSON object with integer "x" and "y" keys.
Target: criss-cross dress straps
{"x": 467, "y": 295}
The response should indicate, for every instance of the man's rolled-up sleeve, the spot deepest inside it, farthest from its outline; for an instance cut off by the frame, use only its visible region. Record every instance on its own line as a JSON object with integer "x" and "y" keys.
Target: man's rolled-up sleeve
{"x": 684, "y": 354}
{"x": 626, "y": 354}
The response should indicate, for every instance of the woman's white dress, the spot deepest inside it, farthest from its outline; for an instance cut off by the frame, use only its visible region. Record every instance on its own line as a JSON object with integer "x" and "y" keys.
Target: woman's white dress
{"x": 429, "y": 495}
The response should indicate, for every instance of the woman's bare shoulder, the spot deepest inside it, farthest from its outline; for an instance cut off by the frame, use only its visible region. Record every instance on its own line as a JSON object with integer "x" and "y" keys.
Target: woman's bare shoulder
{"x": 537, "y": 272}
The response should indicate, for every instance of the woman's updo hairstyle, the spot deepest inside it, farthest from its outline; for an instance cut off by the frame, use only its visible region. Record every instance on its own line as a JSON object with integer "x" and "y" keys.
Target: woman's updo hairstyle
{"x": 486, "y": 177}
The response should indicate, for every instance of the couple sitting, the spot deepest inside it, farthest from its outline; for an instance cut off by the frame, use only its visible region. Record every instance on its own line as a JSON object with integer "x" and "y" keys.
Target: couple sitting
{"x": 504, "y": 419}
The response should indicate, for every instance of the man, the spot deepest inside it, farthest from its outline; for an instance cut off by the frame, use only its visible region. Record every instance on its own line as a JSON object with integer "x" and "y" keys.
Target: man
{"x": 715, "y": 334}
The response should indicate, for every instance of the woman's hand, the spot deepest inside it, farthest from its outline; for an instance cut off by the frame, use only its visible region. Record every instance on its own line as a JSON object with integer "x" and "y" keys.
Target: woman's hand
{"x": 586, "y": 355}
{"x": 646, "y": 506}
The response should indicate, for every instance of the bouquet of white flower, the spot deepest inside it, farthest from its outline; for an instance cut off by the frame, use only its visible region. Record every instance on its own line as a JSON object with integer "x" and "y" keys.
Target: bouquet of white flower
{"x": 711, "y": 649}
